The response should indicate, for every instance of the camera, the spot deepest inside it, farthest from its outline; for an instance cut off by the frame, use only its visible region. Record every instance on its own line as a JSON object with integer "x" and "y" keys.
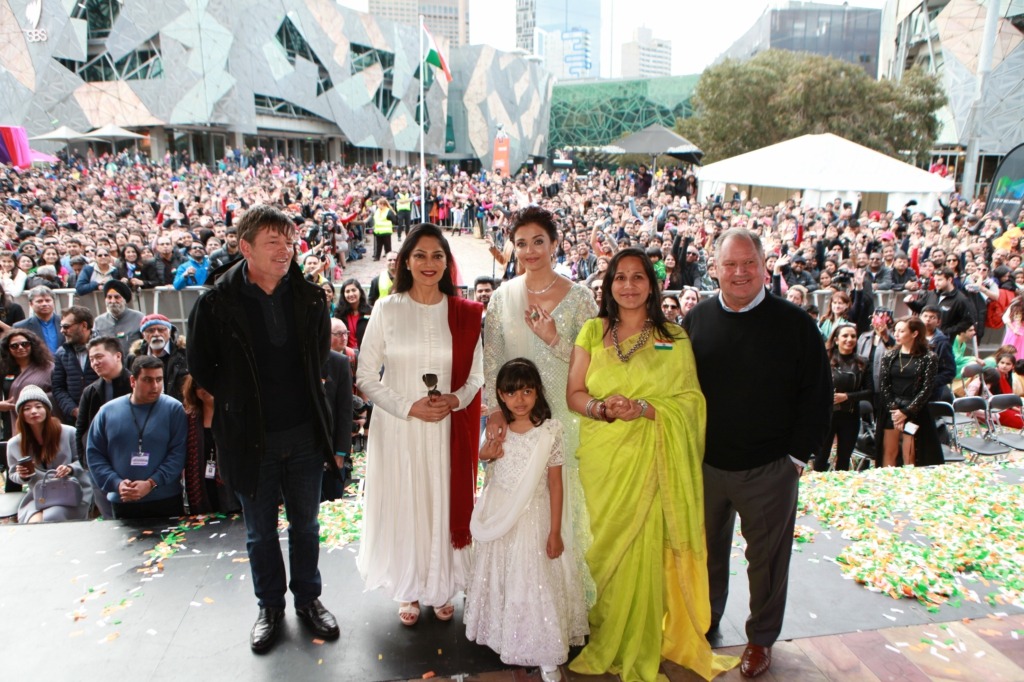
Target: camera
{"x": 842, "y": 278}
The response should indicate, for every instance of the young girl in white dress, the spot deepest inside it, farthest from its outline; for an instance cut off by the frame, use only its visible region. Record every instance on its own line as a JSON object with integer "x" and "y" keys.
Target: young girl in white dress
{"x": 524, "y": 599}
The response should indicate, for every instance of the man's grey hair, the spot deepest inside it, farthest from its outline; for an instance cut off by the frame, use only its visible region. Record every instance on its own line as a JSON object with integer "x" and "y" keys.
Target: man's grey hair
{"x": 36, "y": 292}
{"x": 739, "y": 233}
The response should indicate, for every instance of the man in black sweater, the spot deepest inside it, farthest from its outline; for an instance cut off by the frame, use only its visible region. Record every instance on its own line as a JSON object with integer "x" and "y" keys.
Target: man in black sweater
{"x": 765, "y": 375}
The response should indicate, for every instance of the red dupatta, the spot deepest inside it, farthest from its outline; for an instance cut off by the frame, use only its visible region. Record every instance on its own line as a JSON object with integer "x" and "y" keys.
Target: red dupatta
{"x": 464, "y": 318}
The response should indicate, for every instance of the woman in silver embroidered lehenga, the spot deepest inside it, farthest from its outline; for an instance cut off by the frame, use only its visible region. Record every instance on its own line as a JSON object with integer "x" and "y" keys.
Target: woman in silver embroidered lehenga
{"x": 538, "y": 316}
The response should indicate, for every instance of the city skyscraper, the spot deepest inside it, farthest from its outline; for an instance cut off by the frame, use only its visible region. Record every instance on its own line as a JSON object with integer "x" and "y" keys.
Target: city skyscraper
{"x": 448, "y": 18}
{"x": 646, "y": 56}
{"x": 565, "y": 33}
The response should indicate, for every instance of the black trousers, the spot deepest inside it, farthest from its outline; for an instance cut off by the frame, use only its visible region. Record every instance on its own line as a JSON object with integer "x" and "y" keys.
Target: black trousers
{"x": 381, "y": 245}
{"x": 404, "y": 221}
{"x": 146, "y": 509}
{"x": 845, "y": 427}
{"x": 765, "y": 499}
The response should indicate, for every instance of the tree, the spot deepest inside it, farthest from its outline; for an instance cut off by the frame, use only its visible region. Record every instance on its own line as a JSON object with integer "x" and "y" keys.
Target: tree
{"x": 779, "y": 95}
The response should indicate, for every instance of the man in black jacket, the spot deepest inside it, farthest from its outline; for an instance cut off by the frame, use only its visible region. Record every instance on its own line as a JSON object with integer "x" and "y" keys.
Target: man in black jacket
{"x": 160, "y": 271}
{"x": 259, "y": 338}
{"x": 71, "y": 370}
{"x": 956, "y": 309}
{"x": 114, "y": 381}
{"x": 744, "y": 338}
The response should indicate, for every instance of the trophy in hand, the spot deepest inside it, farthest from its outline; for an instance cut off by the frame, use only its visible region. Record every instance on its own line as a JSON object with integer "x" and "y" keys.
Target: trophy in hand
{"x": 431, "y": 381}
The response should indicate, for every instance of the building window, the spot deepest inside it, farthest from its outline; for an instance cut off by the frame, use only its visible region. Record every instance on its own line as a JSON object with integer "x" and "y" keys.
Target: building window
{"x": 144, "y": 63}
{"x": 295, "y": 46}
{"x": 362, "y": 57}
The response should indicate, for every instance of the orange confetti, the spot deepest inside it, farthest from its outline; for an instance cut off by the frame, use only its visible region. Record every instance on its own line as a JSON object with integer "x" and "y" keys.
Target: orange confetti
{"x": 318, "y": 642}
{"x": 241, "y": 560}
{"x": 207, "y": 600}
{"x": 147, "y": 532}
{"x": 428, "y": 675}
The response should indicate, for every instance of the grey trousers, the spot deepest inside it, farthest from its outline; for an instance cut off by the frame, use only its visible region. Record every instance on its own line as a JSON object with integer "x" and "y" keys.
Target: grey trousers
{"x": 765, "y": 499}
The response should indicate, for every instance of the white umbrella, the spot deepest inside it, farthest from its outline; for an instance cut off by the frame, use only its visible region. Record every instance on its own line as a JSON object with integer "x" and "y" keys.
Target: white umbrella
{"x": 111, "y": 133}
{"x": 62, "y": 134}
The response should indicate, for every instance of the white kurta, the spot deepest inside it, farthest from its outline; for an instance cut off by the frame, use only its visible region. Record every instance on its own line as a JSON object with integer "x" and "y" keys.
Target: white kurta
{"x": 406, "y": 544}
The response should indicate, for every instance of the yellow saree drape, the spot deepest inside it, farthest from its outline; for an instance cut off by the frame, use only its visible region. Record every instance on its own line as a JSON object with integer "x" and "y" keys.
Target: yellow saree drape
{"x": 644, "y": 492}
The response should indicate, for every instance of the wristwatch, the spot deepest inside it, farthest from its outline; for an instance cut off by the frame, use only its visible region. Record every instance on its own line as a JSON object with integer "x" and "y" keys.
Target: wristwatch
{"x": 152, "y": 483}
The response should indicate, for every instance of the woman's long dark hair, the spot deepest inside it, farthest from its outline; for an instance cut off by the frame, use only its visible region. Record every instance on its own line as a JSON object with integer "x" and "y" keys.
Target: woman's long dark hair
{"x": 833, "y": 350}
{"x": 39, "y": 355}
{"x": 364, "y": 305}
{"x": 609, "y": 307}
{"x": 518, "y": 374}
{"x": 921, "y": 341}
{"x": 403, "y": 277}
{"x": 44, "y": 452}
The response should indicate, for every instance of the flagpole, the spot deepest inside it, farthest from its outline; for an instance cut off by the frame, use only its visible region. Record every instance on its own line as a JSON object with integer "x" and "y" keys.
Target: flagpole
{"x": 423, "y": 116}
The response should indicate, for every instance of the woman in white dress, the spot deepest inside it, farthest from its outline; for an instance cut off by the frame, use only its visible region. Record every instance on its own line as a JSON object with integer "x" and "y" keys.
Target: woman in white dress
{"x": 538, "y": 316}
{"x": 421, "y": 457}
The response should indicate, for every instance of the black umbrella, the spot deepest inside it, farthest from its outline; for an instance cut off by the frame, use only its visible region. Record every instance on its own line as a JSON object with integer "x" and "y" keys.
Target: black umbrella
{"x": 656, "y": 140}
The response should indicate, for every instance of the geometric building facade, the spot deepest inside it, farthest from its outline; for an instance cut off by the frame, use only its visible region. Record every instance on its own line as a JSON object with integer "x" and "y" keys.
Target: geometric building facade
{"x": 944, "y": 37}
{"x": 597, "y": 113}
{"x": 496, "y": 92}
{"x": 321, "y": 77}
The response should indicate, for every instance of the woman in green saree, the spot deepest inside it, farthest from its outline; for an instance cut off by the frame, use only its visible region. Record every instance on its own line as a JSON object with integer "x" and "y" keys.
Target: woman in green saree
{"x": 632, "y": 376}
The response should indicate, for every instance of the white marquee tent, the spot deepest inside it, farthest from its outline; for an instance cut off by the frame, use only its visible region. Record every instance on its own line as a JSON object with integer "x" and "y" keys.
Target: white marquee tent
{"x": 824, "y": 167}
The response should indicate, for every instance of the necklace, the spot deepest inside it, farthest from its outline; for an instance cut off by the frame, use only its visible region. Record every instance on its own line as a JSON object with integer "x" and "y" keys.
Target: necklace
{"x": 645, "y": 333}
{"x": 910, "y": 361}
{"x": 545, "y": 289}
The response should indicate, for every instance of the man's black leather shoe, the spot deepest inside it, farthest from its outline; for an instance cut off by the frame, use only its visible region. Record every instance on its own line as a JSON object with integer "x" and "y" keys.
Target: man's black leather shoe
{"x": 267, "y": 628}
{"x": 319, "y": 620}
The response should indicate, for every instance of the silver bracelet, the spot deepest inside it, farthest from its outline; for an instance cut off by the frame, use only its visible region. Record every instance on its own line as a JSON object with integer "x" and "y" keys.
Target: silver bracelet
{"x": 590, "y": 406}
{"x": 643, "y": 406}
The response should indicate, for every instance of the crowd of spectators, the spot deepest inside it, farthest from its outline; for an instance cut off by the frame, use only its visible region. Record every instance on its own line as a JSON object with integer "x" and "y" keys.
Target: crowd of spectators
{"x": 116, "y": 225}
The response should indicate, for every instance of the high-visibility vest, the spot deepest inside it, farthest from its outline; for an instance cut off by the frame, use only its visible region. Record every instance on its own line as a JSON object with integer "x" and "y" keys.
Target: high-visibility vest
{"x": 381, "y": 224}
{"x": 404, "y": 201}
{"x": 383, "y": 285}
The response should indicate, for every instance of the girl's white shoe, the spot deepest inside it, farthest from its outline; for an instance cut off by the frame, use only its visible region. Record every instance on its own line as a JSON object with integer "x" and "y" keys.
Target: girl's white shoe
{"x": 550, "y": 673}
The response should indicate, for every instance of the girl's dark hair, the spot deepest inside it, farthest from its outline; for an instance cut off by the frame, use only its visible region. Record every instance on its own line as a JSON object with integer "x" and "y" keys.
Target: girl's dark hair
{"x": 39, "y": 355}
{"x": 364, "y": 305}
{"x": 833, "y": 350}
{"x": 534, "y": 215}
{"x": 403, "y": 277}
{"x": 518, "y": 374}
{"x": 1004, "y": 354}
{"x": 43, "y": 453}
{"x": 610, "y": 309}
{"x": 990, "y": 375}
{"x": 921, "y": 342}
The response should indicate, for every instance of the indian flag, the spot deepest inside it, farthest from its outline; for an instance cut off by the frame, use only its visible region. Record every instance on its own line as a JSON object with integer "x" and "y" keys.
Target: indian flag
{"x": 435, "y": 57}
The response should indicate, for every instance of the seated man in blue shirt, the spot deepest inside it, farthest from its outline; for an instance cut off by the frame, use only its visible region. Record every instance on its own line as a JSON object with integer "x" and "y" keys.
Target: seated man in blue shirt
{"x": 136, "y": 447}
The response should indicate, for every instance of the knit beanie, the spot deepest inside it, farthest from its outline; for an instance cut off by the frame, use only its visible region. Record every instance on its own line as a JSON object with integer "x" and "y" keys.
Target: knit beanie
{"x": 153, "y": 320}
{"x": 30, "y": 393}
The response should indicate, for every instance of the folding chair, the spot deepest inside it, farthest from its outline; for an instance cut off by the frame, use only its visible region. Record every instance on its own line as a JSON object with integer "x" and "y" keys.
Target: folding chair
{"x": 863, "y": 455}
{"x": 1011, "y": 438}
{"x": 984, "y": 445}
{"x": 943, "y": 412}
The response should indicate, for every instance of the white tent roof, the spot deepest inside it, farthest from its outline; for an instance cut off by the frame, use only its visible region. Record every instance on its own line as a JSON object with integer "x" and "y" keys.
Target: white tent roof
{"x": 824, "y": 163}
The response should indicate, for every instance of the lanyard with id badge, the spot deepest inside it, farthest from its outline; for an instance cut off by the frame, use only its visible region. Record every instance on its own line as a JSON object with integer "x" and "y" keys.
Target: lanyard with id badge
{"x": 141, "y": 457}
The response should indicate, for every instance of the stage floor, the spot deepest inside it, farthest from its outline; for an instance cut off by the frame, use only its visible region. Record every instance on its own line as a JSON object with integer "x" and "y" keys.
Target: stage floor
{"x": 174, "y": 601}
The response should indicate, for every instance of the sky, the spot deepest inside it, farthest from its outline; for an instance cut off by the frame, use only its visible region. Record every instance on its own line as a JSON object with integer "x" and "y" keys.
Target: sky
{"x": 700, "y": 30}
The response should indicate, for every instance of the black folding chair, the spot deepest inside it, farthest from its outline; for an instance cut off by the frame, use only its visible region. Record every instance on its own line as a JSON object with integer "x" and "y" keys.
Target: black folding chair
{"x": 943, "y": 413}
{"x": 984, "y": 445}
{"x": 864, "y": 450}
{"x": 1012, "y": 438}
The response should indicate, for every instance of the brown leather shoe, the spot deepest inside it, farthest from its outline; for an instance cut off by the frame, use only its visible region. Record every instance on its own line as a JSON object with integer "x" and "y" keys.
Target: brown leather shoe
{"x": 756, "y": 660}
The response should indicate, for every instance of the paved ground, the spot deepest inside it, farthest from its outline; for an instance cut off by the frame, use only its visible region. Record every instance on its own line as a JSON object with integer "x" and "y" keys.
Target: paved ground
{"x": 470, "y": 253}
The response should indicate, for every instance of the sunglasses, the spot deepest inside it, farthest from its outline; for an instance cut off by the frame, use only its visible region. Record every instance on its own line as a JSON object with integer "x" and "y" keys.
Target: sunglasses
{"x": 20, "y": 344}
{"x": 669, "y": 306}
{"x": 67, "y": 326}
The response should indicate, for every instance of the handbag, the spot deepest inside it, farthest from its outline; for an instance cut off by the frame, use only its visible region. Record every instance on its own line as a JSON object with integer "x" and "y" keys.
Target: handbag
{"x": 57, "y": 492}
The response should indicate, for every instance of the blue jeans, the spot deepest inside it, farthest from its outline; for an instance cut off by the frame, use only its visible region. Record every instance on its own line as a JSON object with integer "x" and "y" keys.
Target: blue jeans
{"x": 292, "y": 467}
